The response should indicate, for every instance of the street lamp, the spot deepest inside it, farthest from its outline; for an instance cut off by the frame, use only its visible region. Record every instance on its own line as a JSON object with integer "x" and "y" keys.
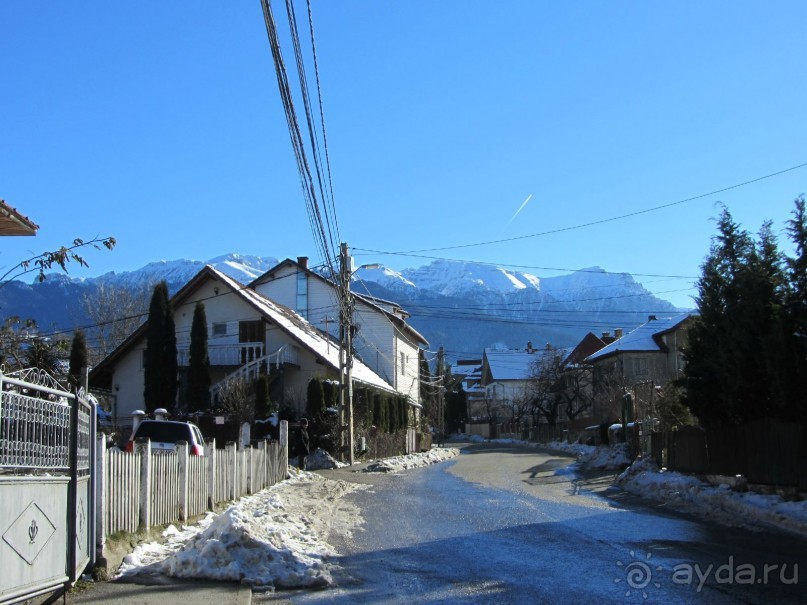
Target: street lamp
{"x": 346, "y": 345}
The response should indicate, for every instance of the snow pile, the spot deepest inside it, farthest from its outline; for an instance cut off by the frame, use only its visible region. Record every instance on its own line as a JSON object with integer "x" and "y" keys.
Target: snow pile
{"x": 319, "y": 459}
{"x": 571, "y": 448}
{"x": 614, "y": 457}
{"x": 276, "y": 538}
{"x": 400, "y": 463}
{"x": 721, "y": 504}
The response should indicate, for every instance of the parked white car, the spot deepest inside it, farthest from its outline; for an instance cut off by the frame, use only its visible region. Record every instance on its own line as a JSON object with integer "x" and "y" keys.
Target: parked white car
{"x": 165, "y": 434}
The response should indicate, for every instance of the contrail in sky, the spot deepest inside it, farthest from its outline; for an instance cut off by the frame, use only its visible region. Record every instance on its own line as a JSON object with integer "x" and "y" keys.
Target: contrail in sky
{"x": 520, "y": 208}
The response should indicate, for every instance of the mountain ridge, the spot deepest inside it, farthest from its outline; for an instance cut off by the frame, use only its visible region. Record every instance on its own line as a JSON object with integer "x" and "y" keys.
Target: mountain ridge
{"x": 463, "y": 306}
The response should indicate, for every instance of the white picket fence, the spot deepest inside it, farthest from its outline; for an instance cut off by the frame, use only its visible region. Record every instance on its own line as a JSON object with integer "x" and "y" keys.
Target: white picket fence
{"x": 145, "y": 489}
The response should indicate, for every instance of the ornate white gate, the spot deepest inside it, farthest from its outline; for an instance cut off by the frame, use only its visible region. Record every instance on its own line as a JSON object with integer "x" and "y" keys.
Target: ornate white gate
{"x": 47, "y": 436}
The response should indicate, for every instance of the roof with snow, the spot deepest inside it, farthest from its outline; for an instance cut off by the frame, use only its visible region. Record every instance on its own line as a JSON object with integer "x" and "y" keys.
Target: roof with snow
{"x": 513, "y": 364}
{"x": 645, "y": 338}
{"x": 466, "y": 368}
{"x": 287, "y": 320}
{"x": 368, "y": 300}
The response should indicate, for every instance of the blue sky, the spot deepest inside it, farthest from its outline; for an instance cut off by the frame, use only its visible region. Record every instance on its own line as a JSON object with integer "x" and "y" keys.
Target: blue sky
{"x": 160, "y": 123}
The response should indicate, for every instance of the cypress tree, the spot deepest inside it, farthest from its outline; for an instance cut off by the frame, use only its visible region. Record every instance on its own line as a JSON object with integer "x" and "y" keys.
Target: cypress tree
{"x": 315, "y": 398}
{"x": 376, "y": 421}
{"x": 262, "y": 396}
{"x": 160, "y": 358}
{"x": 78, "y": 357}
{"x": 199, "y": 362}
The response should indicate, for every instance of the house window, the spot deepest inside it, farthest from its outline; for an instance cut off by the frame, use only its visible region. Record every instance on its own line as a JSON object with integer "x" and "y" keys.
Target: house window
{"x": 302, "y": 294}
{"x": 251, "y": 331}
{"x": 220, "y": 329}
{"x": 403, "y": 363}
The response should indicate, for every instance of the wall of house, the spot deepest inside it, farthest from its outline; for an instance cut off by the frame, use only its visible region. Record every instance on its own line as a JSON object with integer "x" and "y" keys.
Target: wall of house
{"x": 377, "y": 342}
{"x": 505, "y": 391}
{"x": 221, "y": 307}
{"x": 322, "y": 307}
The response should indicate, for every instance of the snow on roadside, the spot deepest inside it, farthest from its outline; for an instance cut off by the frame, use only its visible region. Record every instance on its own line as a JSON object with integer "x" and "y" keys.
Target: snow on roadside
{"x": 720, "y": 503}
{"x": 400, "y": 463}
{"x": 276, "y": 538}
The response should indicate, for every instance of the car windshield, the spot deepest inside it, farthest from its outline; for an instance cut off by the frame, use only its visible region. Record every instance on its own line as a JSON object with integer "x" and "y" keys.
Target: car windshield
{"x": 169, "y": 432}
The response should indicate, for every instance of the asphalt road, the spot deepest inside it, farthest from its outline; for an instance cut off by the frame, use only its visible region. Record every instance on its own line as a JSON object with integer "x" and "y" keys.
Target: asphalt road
{"x": 502, "y": 524}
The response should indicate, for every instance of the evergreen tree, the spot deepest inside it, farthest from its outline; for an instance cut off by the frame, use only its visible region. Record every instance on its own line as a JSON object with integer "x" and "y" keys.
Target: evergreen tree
{"x": 741, "y": 359}
{"x": 78, "y": 358}
{"x": 796, "y": 305}
{"x": 261, "y": 388}
{"x": 376, "y": 407}
{"x": 383, "y": 417}
{"x": 330, "y": 393}
{"x": 315, "y": 398}
{"x": 160, "y": 358}
{"x": 393, "y": 414}
{"x": 199, "y": 362}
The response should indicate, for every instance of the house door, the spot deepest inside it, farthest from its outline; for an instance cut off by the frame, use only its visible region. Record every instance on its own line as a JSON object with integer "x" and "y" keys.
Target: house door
{"x": 252, "y": 337}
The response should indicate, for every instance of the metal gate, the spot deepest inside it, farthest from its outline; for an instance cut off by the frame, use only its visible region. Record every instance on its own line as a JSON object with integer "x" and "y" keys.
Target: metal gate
{"x": 47, "y": 491}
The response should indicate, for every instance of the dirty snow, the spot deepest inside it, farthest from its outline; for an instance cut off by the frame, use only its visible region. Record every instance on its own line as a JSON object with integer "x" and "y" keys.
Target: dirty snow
{"x": 718, "y": 503}
{"x": 276, "y": 538}
{"x": 320, "y": 459}
{"x": 400, "y": 463}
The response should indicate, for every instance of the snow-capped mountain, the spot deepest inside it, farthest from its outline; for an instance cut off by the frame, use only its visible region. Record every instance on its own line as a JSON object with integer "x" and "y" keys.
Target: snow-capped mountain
{"x": 243, "y": 268}
{"x": 453, "y": 278}
{"x": 462, "y": 306}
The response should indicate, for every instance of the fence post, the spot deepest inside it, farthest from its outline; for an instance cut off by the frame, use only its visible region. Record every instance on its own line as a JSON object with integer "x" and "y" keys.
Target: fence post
{"x": 249, "y": 460}
{"x": 144, "y": 449}
{"x": 100, "y": 496}
{"x": 283, "y": 466}
{"x": 232, "y": 470}
{"x": 182, "y": 477}
{"x": 210, "y": 454}
{"x": 264, "y": 458}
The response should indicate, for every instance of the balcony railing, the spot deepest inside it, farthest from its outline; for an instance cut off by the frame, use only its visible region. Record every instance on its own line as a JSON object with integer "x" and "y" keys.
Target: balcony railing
{"x": 252, "y": 369}
{"x": 235, "y": 354}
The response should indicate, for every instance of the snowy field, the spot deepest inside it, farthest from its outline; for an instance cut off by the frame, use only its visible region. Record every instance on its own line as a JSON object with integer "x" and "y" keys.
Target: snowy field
{"x": 277, "y": 538}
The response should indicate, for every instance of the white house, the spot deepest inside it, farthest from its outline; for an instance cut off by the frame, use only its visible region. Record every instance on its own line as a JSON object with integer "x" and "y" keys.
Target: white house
{"x": 245, "y": 330}
{"x": 383, "y": 340}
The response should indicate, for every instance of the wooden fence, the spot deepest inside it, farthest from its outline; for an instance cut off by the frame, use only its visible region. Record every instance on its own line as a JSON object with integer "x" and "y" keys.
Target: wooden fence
{"x": 767, "y": 452}
{"x": 146, "y": 488}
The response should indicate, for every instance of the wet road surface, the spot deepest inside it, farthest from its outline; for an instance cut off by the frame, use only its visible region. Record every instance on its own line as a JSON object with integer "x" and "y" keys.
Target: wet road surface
{"x": 503, "y": 524}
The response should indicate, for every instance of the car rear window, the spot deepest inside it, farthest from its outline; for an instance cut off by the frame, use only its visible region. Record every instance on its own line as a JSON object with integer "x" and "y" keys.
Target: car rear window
{"x": 167, "y": 432}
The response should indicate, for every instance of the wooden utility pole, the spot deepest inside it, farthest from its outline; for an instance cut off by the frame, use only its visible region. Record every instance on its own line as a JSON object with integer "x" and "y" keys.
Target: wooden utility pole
{"x": 345, "y": 354}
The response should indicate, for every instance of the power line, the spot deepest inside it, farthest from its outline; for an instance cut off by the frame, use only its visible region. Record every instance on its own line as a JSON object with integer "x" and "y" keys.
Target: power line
{"x": 605, "y": 220}
{"x": 515, "y": 266}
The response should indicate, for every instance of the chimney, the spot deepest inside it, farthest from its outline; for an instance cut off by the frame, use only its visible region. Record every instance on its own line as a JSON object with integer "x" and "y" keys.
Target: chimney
{"x": 302, "y": 261}
{"x": 605, "y": 335}
{"x": 651, "y": 318}
{"x": 618, "y": 333}
{"x": 160, "y": 413}
{"x": 529, "y": 347}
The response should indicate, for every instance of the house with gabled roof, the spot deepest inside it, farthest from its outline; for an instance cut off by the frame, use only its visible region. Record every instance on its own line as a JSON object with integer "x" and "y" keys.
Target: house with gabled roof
{"x": 651, "y": 352}
{"x": 383, "y": 340}
{"x": 506, "y": 374}
{"x": 245, "y": 330}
